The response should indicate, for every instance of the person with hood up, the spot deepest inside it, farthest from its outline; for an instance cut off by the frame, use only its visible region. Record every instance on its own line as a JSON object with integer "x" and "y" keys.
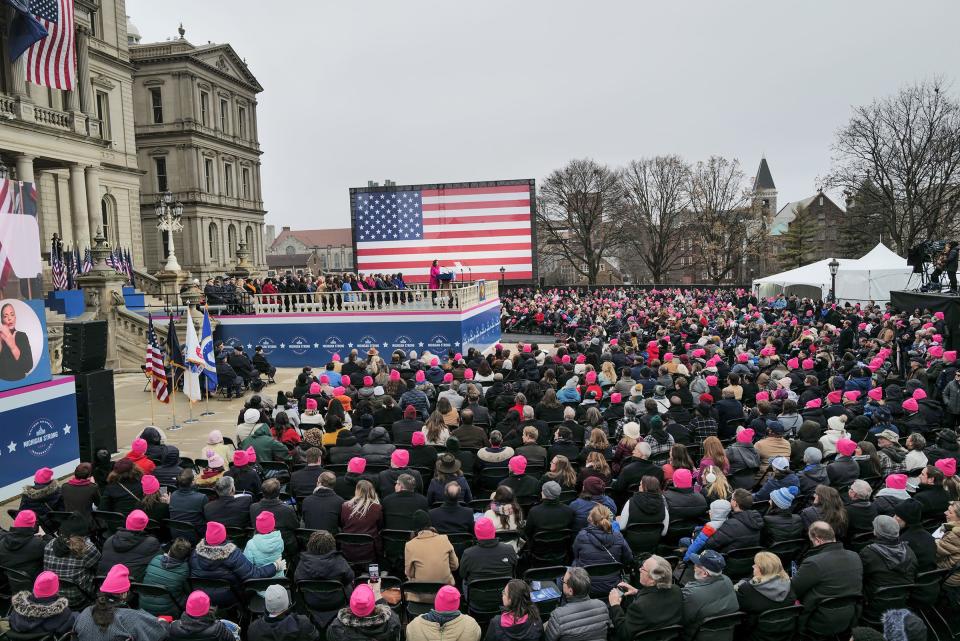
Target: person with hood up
{"x": 591, "y": 495}
{"x": 170, "y": 571}
{"x": 718, "y": 514}
{"x": 130, "y": 546}
{"x": 599, "y": 543}
{"x": 569, "y": 393}
{"x": 217, "y": 558}
{"x": 267, "y": 448}
{"x": 42, "y": 611}
{"x": 681, "y": 499}
{"x": 378, "y": 448}
{"x": 266, "y": 546}
{"x": 894, "y": 491}
{"x": 741, "y": 529}
{"x": 22, "y": 549}
{"x": 199, "y": 622}
{"x": 843, "y": 470}
{"x": 886, "y": 562}
{"x": 744, "y": 460}
{"x": 322, "y": 560}
{"x": 43, "y": 496}
{"x": 444, "y": 622}
{"x": 924, "y": 546}
{"x": 367, "y": 618}
{"x": 645, "y": 506}
{"x": 768, "y": 589}
{"x": 109, "y": 617}
{"x": 807, "y": 436}
{"x": 279, "y": 622}
{"x": 836, "y": 430}
{"x": 169, "y": 467}
{"x": 782, "y": 477}
{"x": 345, "y": 448}
{"x": 814, "y": 472}
{"x": 780, "y": 523}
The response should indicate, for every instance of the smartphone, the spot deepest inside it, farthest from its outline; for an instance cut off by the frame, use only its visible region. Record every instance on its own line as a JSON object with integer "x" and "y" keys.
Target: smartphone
{"x": 535, "y": 585}
{"x": 374, "y": 573}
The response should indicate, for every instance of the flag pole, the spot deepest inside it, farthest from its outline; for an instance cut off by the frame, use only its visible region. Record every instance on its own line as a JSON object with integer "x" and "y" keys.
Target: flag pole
{"x": 153, "y": 399}
{"x": 191, "y": 419}
{"x": 206, "y": 387}
{"x": 173, "y": 400}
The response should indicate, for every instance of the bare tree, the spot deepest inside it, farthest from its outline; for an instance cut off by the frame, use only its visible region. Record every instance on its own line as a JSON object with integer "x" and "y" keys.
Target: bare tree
{"x": 727, "y": 226}
{"x": 657, "y": 195}
{"x": 901, "y": 156}
{"x": 579, "y": 215}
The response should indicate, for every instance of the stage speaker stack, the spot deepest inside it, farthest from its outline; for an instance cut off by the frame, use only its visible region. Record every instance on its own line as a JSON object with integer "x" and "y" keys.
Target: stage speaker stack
{"x": 84, "y": 356}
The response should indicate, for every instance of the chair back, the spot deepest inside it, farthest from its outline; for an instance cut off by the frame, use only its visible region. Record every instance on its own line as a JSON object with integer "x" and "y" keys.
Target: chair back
{"x": 320, "y": 595}
{"x": 17, "y": 580}
{"x": 643, "y": 538}
{"x": 669, "y": 633}
{"x": 491, "y": 476}
{"x": 107, "y": 523}
{"x": 484, "y": 597}
{"x": 461, "y": 541}
{"x": 779, "y": 623}
{"x": 926, "y": 586}
{"x": 740, "y": 563}
{"x": 839, "y": 611}
{"x": 888, "y": 597}
{"x": 860, "y": 541}
{"x": 789, "y": 550}
{"x": 551, "y": 546}
{"x": 425, "y": 592}
{"x": 253, "y": 589}
{"x": 601, "y": 570}
{"x": 718, "y": 628}
{"x": 394, "y": 546}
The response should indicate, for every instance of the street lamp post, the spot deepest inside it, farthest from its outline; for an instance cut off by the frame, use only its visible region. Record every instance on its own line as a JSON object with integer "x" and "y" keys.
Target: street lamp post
{"x": 834, "y": 265}
{"x": 169, "y": 215}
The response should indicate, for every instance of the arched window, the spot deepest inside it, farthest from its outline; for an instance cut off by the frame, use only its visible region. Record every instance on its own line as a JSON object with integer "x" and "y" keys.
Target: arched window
{"x": 108, "y": 219}
{"x": 231, "y": 241}
{"x": 213, "y": 237}
{"x": 249, "y": 241}
{"x": 290, "y": 250}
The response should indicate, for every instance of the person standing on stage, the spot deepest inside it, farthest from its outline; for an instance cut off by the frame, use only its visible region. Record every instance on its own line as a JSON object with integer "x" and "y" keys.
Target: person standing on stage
{"x": 949, "y": 265}
{"x": 434, "y": 284}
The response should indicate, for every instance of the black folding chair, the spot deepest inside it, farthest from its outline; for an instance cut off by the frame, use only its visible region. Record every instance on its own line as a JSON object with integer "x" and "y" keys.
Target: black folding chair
{"x": 107, "y": 523}
{"x": 669, "y": 633}
{"x": 643, "y": 538}
{"x": 484, "y": 597}
{"x": 600, "y": 570}
{"x": 776, "y": 624}
{"x": 889, "y": 597}
{"x": 839, "y": 611}
{"x": 394, "y": 547}
{"x": 550, "y": 547}
{"x": 460, "y": 542}
{"x": 740, "y": 563}
{"x": 253, "y": 601}
{"x": 187, "y": 530}
{"x": 491, "y": 477}
{"x": 354, "y": 542}
{"x": 17, "y": 580}
{"x": 718, "y": 628}
{"x": 317, "y": 596}
{"x": 419, "y": 596}
{"x": 789, "y": 550}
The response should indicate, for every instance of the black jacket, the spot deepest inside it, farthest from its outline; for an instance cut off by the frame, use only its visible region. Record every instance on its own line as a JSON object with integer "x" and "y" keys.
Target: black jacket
{"x": 923, "y": 544}
{"x": 229, "y": 511}
{"x": 740, "y": 530}
{"x": 286, "y": 627}
{"x": 123, "y": 497}
{"x": 42, "y": 498}
{"x": 452, "y": 518}
{"x": 346, "y": 485}
{"x": 934, "y": 500}
{"x": 187, "y": 505}
{"x": 245, "y": 479}
{"x": 810, "y": 477}
{"x": 30, "y": 615}
{"x": 885, "y": 563}
{"x": 646, "y": 507}
{"x": 321, "y": 510}
{"x": 404, "y": 429}
{"x": 304, "y": 481}
{"x": 685, "y": 504}
{"x": 205, "y": 628}
{"x": 529, "y": 630}
{"x": 329, "y": 567}
{"x": 828, "y": 571}
{"x": 398, "y": 509}
{"x": 843, "y": 472}
{"x": 423, "y": 456}
{"x": 634, "y": 471}
{"x": 21, "y": 549}
{"x": 755, "y": 599}
{"x": 487, "y": 559}
{"x": 133, "y": 549}
{"x": 471, "y": 436}
{"x": 549, "y": 514}
{"x": 782, "y": 526}
{"x": 387, "y": 479}
{"x": 651, "y": 609}
{"x": 860, "y": 515}
{"x": 523, "y": 485}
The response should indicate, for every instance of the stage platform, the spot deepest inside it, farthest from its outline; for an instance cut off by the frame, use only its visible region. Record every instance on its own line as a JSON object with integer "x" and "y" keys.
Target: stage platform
{"x": 307, "y": 329}
{"x": 935, "y": 302}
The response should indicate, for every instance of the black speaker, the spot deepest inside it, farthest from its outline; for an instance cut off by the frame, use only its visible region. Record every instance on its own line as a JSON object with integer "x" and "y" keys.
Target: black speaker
{"x": 96, "y": 413}
{"x": 84, "y": 345}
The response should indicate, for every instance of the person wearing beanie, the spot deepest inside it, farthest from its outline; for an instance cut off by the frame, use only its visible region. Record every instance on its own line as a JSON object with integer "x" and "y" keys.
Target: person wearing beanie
{"x": 417, "y": 397}
{"x": 894, "y": 491}
{"x": 171, "y": 571}
{"x": 591, "y": 495}
{"x": 266, "y": 545}
{"x": 844, "y": 470}
{"x": 123, "y": 490}
{"x": 945, "y": 447}
{"x": 200, "y": 623}
{"x": 280, "y": 622}
{"x": 217, "y": 558}
{"x": 780, "y": 523}
{"x": 782, "y": 476}
{"x": 744, "y": 460}
{"x": 366, "y": 618}
{"x": 404, "y": 429}
{"x": 130, "y": 546}
{"x": 244, "y": 474}
{"x": 814, "y": 472}
{"x": 523, "y": 485}
{"x": 74, "y": 558}
{"x": 138, "y": 455}
{"x": 836, "y": 430}
{"x": 285, "y": 517}
{"x": 41, "y": 610}
{"x": 909, "y": 516}
{"x": 110, "y": 618}
{"x": 321, "y": 560}
{"x": 549, "y": 514}
{"x": 886, "y": 562}
{"x": 489, "y": 558}
{"x": 399, "y": 464}
{"x": 43, "y": 496}
{"x": 683, "y": 502}
{"x": 21, "y": 549}
{"x": 444, "y": 621}
{"x": 421, "y": 454}
{"x": 267, "y": 448}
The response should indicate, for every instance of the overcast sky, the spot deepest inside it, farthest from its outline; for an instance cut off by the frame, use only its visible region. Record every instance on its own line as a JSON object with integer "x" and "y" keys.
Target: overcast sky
{"x": 440, "y": 91}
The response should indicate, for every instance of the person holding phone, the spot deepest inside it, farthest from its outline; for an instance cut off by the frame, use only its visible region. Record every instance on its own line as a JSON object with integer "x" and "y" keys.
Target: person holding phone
{"x": 16, "y": 357}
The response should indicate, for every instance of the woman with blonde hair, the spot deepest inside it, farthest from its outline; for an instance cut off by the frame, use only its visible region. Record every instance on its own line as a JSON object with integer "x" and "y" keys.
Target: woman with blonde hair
{"x": 596, "y": 465}
{"x": 600, "y": 543}
{"x": 596, "y": 443}
{"x": 562, "y": 472}
{"x": 435, "y": 429}
{"x": 608, "y": 374}
{"x": 769, "y": 588}
{"x": 362, "y": 515}
{"x": 714, "y": 484}
{"x": 624, "y": 449}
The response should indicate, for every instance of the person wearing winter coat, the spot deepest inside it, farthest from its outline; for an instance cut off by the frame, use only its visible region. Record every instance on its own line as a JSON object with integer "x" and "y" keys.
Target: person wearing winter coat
{"x": 782, "y": 477}
{"x": 743, "y": 459}
{"x": 285, "y": 517}
{"x": 894, "y": 491}
{"x": 780, "y": 523}
{"x": 930, "y": 493}
{"x": 322, "y": 560}
{"x": 860, "y": 510}
{"x": 139, "y": 457}
{"x": 598, "y": 543}
{"x": 171, "y": 572}
{"x": 814, "y": 472}
{"x": 217, "y": 558}
{"x": 657, "y": 603}
{"x": 768, "y": 589}
{"x": 266, "y": 546}
{"x": 909, "y": 517}
{"x": 199, "y": 622}
{"x": 22, "y": 549}
{"x": 444, "y": 622}
{"x": 108, "y": 619}
{"x": 169, "y": 467}
{"x": 428, "y": 556}
{"x": 709, "y": 594}
{"x": 807, "y": 436}
{"x": 378, "y": 448}
{"x": 836, "y": 430}
{"x": 42, "y": 611}
{"x": 451, "y": 517}
{"x": 73, "y": 557}
{"x": 681, "y": 500}
{"x": 591, "y": 495}
{"x": 130, "y": 546}
{"x": 548, "y": 515}
{"x": 321, "y": 510}
{"x": 948, "y": 550}
{"x": 43, "y": 496}
{"x": 279, "y": 622}
{"x": 244, "y": 474}
{"x": 367, "y": 618}
{"x": 843, "y": 470}
{"x": 519, "y": 620}
{"x": 719, "y": 512}
{"x": 580, "y": 617}
{"x": 741, "y": 529}
{"x": 81, "y": 492}
{"x": 489, "y": 558}
{"x": 187, "y": 504}
{"x": 645, "y": 506}
{"x": 827, "y": 570}
{"x": 886, "y": 562}
{"x": 266, "y": 447}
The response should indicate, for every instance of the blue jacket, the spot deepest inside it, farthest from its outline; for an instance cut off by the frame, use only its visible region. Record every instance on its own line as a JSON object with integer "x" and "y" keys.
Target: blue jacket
{"x": 225, "y": 562}
{"x": 581, "y": 508}
{"x": 594, "y": 546}
{"x": 435, "y": 375}
{"x": 419, "y": 400}
{"x": 772, "y": 484}
{"x": 262, "y": 549}
{"x": 568, "y": 395}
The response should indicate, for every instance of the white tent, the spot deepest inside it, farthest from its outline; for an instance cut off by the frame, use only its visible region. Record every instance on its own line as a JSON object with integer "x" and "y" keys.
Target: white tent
{"x": 871, "y": 277}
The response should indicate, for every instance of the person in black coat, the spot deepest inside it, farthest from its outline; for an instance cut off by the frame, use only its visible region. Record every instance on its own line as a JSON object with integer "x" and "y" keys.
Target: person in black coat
{"x": 519, "y": 619}
{"x": 285, "y": 516}
{"x": 169, "y": 468}
{"x": 387, "y": 479}
{"x": 931, "y": 495}
{"x": 780, "y": 523}
{"x": 304, "y": 481}
{"x": 827, "y": 570}
{"x": 563, "y": 445}
{"x": 860, "y": 510}
{"x": 227, "y": 378}
{"x": 230, "y": 509}
{"x": 21, "y": 549}
{"x": 403, "y": 430}
{"x": 279, "y": 622}
{"x": 657, "y": 603}
{"x": 636, "y": 467}
{"x": 186, "y": 504}
{"x": 489, "y": 558}
{"x": 241, "y": 365}
{"x": 262, "y": 365}
{"x": 769, "y": 589}
{"x": 130, "y": 546}
{"x": 399, "y": 507}
{"x": 322, "y": 561}
{"x": 244, "y": 474}
{"x": 321, "y": 510}
{"x": 909, "y": 517}
{"x": 886, "y": 562}
{"x": 451, "y": 517}
{"x": 421, "y": 454}
{"x": 550, "y": 514}
{"x": 198, "y": 622}
{"x": 42, "y": 611}
{"x": 43, "y": 496}
{"x": 645, "y": 506}
{"x": 682, "y": 501}
{"x": 741, "y": 529}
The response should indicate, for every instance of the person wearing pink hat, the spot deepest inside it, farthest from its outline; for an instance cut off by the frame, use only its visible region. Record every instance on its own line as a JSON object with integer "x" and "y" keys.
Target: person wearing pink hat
{"x": 22, "y": 550}
{"x": 743, "y": 459}
{"x": 364, "y": 618}
{"x": 130, "y": 546}
{"x": 892, "y": 494}
{"x": 199, "y": 621}
{"x": 44, "y": 495}
{"x": 42, "y": 609}
{"x": 215, "y": 557}
{"x": 266, "y": 545}
{"x": 456, "y": 626}
{"x": 114, "y": 620}
{"x": 243, "y": 473}
{"x": 522, "y": 484}
{"x": 138, "y": 454}
{"x": 682, "y": 501}
{"x": 489, "y": 558}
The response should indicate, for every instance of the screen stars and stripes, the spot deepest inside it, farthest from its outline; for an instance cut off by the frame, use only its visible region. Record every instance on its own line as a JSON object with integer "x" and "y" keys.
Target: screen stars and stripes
{"x": 51, "y": 61}
{"x": 482, "y": 228}
{"x": 155, "y": 369}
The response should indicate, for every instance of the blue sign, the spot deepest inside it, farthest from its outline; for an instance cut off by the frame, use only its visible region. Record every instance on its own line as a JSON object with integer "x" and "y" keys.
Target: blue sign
{"x": 23, "y": 344}
{"x": 40, "y": 430}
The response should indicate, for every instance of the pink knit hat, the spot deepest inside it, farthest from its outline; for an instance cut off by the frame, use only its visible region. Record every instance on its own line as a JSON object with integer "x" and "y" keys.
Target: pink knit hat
{"x": 266, "y": 522}
{"x": 448, "y": 378}
{"x": 919, "y": 394}
{"x": 25, "y": 518}
{"x": 711, "y": 380}
{"x": 743, "y": 357}
{"x": 468, "y": 374}
{"x": 324, "y": 380}
{"x": 139, "y": 446}
{"x": 762, "y": 396}
{"x": 198, "y": 604}
{"x": 434, "y": 361}
{"x": 45, "y": 475}
{"x": 484, "y": 529}
{"x": 418, "y": 439}
{"x": 852, "y": 395}
{"x": 950, "y": 357}
{"x": 400, "y": 458}
{"x": 793, "y": 363}
{"x": 345, "y": 380}
{"x": 215, "y": 534}
{"x": 591, "y": 377}
{"x": 117, "y": 581}
{"x": 150, "y": 484}
{"x": 836, "y": 396}
{"x": 565, "y": 359}
{"x": 935, "y": 351}
{"x": 948, "y": 466}
{"x": 814, "y": 403}
{"x": 527, "y": 348}
{"x": 311, "y": 404}
{"x": 339, "y": 391}
{"x": 394, "y": 375}
{"x": 240, "y": 458}
{"x": 137, "y": 521}
{"x": 368, "y": 381}
{"x": 808, "y": 363}
{"x": 518, "y": 464}
{"x": 357, "y": 465}
{"x": 846, "y": 447}
{"x": 615, "y": 398}
{"x": 315, "y": 387}
{"x": 46, "y": 585}
{"x": 419, "y": 376}
{"x": 745, "y": 435}
{"x": 581, "y": 359}
{"x": 682, "y": 478}
{"x": 876, "y": 393}
{"x": 911, "y": 405}
{"x": 448, "y": 599}
{"x": 897, "y": 481}
{"x": 362, "y": 601}
{"x": 335, "y": 358}
{"x": 668, "y": 357}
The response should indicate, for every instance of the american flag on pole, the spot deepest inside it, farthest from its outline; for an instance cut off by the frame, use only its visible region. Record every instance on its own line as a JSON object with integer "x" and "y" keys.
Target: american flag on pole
{"x": 51, "y": 61}
{"x": 155, "y": 370}
{"x": 57, "y": 266}
{"x": 483, "y": 228}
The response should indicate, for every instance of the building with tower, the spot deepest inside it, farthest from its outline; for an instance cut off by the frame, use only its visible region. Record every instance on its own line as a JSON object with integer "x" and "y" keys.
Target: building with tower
{"x": 195, "y": 108}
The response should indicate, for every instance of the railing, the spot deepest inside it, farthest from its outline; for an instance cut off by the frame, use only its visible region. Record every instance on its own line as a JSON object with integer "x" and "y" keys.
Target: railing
{"x": 146, "y": 283}
{"x": 53, "y": 118}
{"x": 8, "y": 105}
{"x": 459, "y": 297}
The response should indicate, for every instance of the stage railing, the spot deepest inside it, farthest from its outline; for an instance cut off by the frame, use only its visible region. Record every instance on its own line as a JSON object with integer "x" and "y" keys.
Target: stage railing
{"x": 460, "y": 296}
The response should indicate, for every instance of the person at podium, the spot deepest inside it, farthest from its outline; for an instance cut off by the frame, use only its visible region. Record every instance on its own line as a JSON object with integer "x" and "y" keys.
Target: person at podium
{"x": 16, "y": 357}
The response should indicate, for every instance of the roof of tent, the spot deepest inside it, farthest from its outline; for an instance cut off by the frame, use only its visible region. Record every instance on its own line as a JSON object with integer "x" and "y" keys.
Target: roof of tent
{"x": 817, "y": 273}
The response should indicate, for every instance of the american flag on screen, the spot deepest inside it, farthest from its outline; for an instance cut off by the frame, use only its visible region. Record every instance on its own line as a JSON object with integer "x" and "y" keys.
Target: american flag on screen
{"x": 482, "y": 228}
{"x": 51, "y": 61}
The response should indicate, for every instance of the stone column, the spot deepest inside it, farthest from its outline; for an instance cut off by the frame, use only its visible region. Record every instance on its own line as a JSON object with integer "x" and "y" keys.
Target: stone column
{"x": 92, "y": 175}
{"x": 83, "y": 71}
{"x": 18, "y": 70}
{"x": 78, "y": 207}
{"x": 25, "y": 168}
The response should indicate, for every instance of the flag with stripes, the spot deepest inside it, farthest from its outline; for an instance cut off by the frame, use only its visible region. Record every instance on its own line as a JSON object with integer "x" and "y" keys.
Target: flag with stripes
{"x": 57, "y": 265}
{"x": 87, "y": 261}
{"x": 128, "y": 262}
{"x": 155, "y": 369}
{"x": 51, "y": 61}
{"x": 483, "y": 228}
{"x": 19, "y": 231}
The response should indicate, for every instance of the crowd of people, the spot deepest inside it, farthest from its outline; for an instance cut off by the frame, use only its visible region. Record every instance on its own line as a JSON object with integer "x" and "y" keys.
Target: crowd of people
{"x": 678, "y": 458}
